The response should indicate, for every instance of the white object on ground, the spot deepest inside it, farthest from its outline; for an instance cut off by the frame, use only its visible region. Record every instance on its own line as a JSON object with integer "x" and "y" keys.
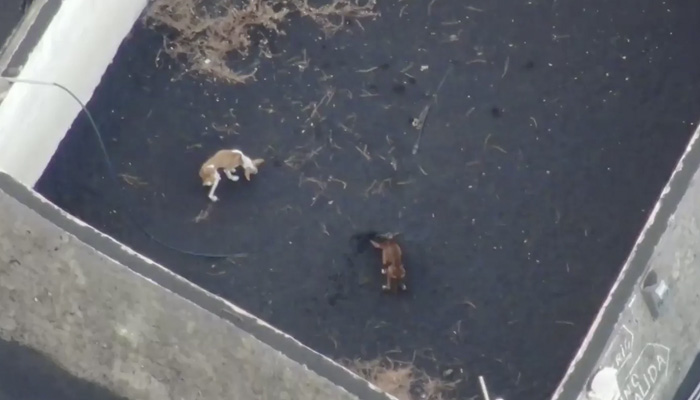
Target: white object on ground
{"x": 483, "y": 388}
{"x": 604, "y": 385}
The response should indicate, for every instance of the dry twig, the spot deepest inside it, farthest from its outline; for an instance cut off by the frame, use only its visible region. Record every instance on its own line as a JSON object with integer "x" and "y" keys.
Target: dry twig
{"x": 203, "y": 214}
{"x": 378, "y": 187}
{"x": 364, "y": 152}
{"x": 132, "y": 180}
{"x": 299, "y": 159}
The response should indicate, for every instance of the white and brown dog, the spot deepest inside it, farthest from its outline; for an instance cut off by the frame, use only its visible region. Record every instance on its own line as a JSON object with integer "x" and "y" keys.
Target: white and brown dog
{"x": 228, "y": 161}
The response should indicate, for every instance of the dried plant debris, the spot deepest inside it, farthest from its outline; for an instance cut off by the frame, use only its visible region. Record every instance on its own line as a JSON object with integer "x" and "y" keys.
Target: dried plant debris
{"x": 302, "y": 156}
{"x": 402, "y": 380}
{"x": 132, "y": 180}
{"x": 203, "y": 214}
{"x": 208, "y": 34}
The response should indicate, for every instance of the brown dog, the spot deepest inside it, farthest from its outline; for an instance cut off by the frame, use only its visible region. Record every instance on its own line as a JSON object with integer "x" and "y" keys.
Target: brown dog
{"x": 392, "y": 265}
{"x": 228, "y": 161}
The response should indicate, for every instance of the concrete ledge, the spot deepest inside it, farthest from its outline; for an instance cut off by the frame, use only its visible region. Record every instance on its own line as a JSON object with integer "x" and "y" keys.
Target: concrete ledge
{"x": 26, "y": 36}
{"x": 112, "y": 317}
{"x": 12, "y": 13}
{"x": 625, "y": 335}
{"x": 74, "y": 50}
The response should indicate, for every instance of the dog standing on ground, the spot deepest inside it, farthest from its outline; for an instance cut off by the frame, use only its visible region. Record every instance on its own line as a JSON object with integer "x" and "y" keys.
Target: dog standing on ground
{"x": 228, "y": 161}
{"x": 392, "y": 265}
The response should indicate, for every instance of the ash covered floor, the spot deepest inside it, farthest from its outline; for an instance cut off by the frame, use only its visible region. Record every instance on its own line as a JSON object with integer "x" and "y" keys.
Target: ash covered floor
{"x": 556, "y": 128}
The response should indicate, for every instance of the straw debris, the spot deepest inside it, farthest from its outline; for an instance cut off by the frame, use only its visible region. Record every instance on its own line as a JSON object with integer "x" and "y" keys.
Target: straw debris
{"x": 402, "y": 380}
{"x": 208, "y": 34}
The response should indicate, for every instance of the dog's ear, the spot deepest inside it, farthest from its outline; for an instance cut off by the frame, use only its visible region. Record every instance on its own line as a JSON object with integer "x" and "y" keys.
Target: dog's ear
{"x": 258, "y": 162}
{"x": 375, "y": 244}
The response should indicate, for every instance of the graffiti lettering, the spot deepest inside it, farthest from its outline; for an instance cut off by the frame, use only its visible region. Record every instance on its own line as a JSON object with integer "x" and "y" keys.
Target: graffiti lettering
{"x": 646, "y": 373}
{"x": 623, "y": 349}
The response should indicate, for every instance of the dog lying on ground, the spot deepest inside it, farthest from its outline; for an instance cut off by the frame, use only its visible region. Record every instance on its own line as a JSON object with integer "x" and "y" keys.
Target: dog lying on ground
{"x": 228, "y": 161}
{"x": 392, "y": 265}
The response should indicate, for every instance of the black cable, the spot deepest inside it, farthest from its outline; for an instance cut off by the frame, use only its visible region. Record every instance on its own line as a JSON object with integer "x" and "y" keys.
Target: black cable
{"x": 112, "y": 173}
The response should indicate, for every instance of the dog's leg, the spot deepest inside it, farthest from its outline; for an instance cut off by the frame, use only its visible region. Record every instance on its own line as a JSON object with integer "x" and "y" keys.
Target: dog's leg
{"x": 212, "y": 197}
{"x": 403, "y": 286}
{"x": 230, "y": 175}
{"x": 387, "y": 287}
{"x": 385, "y": 261}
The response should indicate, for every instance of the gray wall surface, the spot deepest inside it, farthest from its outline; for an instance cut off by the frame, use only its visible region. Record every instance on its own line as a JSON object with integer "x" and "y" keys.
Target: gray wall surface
{"x": 115, "y": 319}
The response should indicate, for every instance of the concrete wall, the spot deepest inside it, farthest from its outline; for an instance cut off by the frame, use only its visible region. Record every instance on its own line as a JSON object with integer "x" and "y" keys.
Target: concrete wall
{"x": 112, "y": 317}
{"x": 624, "y": 329}
{"x": 75, "y": 50}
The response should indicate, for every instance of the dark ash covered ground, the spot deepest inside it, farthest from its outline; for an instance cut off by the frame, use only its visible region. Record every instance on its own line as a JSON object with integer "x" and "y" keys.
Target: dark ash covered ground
{"x": 552, "y": 137}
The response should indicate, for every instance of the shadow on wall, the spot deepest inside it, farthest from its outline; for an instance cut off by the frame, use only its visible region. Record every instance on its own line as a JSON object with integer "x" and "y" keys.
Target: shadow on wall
{"x": 11, "y": 15}
{"x": 29, "y": 375}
